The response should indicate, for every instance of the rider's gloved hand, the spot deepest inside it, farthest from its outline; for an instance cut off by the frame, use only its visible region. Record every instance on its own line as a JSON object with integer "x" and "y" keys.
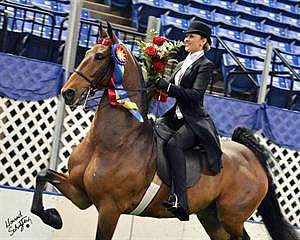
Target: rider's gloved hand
{"x": 162, "y": 84}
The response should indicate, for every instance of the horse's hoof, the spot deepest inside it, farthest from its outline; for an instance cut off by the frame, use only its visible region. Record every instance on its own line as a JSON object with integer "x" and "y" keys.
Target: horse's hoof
{"x": 52, "y": 218}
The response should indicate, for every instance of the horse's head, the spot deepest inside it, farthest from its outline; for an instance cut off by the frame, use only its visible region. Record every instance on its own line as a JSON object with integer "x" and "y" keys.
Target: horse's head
{"x": 94, "y": 71}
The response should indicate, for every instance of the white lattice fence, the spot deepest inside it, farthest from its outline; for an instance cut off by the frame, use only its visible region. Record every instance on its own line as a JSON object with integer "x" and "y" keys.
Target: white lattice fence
{"x": 285, "y": 168}
{"x": 27, "y": 133}
{"x": 76, "y": 125}
{"x": 26, "y": 136}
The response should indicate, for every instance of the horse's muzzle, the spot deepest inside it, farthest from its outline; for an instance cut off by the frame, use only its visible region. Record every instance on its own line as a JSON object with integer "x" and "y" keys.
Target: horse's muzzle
{"x": 69, "y": 95}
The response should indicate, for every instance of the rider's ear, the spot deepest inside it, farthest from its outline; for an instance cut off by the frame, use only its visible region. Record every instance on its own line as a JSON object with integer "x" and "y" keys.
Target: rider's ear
{"x": 111, "y": 34}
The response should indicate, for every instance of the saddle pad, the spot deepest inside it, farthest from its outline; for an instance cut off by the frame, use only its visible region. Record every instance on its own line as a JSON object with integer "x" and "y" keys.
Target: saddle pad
{"x": 193, "y": 158}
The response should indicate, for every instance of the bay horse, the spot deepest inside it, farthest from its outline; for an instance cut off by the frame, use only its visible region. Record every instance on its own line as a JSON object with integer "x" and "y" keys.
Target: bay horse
{"x": 115, "y": 163}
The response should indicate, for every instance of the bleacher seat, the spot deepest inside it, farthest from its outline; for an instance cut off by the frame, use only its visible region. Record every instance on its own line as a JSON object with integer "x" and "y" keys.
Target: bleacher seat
{"x": 256, "y": 51}
{"x": 176, "y": 9}
{"x": 292, "y": 20}
{"x": 224, "y": 7}
{"x": 245, "y": 9}
{"x": 172, "y": 27}
{"x": 292, "y": 59}
{"x": 269, "y": 4}
{"x": 251, "y": 39}
{"x": 21, "y": 2}
{"x": 287, "y": 6}
{"x": 238, "y": 83}
{"x": 295, "y": 49}
{"x": 291, "y": 34}
{"x": 142, "y": 9}
{"x": 43, "y": 4}
{"x": 268, "y": 15}
{"x": 199, "y": 13}
{"x": 237, "y": 47}
{"x": 278, "y": 97}
{"x": 250, "y": 24}
{"x": 258, "y": 64}
{"x": 284, "y": 47}
{"x": 228, "y": 33}
{"x": 225, "y": 19}
{"x": 278, "y": 31}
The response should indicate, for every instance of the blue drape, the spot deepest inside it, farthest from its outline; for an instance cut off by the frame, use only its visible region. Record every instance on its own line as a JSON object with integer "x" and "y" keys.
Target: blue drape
{"x": 29, "y": 79}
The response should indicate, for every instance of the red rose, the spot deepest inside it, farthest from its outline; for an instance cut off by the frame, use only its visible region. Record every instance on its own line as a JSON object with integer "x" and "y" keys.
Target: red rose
{"x": 158, "y": 65}
{"x": 159, "y": 40}
{"x": 151, "y": 51}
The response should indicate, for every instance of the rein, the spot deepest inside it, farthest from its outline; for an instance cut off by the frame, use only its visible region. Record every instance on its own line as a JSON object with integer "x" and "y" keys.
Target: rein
{"x": 95, "y": 86}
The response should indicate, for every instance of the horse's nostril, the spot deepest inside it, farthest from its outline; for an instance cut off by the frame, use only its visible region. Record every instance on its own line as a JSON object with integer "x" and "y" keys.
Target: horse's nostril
{"x": 68, "y": 94}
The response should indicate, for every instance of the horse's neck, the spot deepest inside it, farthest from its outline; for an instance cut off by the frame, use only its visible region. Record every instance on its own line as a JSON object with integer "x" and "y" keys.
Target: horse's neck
{"x": 115, "y": 125}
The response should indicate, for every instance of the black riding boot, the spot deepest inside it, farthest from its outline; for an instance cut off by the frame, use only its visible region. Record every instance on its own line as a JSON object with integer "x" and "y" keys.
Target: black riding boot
{"x": 178, "y": 202}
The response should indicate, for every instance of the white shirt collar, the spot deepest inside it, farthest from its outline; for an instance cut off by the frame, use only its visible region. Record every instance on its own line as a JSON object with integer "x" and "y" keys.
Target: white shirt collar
{"x": 196, "y": 55}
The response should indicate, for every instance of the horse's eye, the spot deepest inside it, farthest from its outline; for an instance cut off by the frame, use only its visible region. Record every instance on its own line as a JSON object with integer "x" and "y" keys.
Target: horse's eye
{"x": 99, "y": 56}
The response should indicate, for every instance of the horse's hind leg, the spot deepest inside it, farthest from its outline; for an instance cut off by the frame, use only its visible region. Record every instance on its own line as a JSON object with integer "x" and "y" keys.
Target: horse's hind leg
{"x": 61, "y": 182}
{"x": 212, "y": 225}
{"x": 237, "y": 231}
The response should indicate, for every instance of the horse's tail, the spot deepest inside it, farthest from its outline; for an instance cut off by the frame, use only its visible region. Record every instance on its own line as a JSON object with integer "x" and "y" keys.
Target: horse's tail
{"x": 269, "y": 209}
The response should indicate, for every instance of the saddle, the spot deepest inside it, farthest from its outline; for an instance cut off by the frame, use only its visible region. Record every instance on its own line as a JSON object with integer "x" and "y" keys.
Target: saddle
{"x": 194, "y": 157}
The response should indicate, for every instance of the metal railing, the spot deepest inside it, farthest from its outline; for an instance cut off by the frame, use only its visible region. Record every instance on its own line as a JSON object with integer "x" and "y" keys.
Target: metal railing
{"x": 291, "y": 73}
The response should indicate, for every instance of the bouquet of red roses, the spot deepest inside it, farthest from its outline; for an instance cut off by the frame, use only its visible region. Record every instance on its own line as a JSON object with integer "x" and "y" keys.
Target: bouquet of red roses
{"x": 157, "y": 53}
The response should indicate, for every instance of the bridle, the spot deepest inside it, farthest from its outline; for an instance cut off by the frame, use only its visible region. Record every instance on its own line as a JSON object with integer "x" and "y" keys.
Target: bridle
{"x": 96, "y": 85}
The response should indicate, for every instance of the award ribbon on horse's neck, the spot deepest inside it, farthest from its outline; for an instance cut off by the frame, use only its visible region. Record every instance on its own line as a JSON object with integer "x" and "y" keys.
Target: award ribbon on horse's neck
{"x": 116, "y": 93}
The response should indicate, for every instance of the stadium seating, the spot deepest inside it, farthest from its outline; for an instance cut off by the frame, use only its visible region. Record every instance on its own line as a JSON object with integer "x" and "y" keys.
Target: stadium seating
{"x": 245, "y": 26}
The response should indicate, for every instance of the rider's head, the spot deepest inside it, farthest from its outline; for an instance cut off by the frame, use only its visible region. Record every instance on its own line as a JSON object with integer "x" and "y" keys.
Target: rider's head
{"x": 197, "y": 37}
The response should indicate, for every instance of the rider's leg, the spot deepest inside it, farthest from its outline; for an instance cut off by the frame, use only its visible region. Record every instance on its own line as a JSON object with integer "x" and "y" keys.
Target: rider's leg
{"x": 182, "y": 140}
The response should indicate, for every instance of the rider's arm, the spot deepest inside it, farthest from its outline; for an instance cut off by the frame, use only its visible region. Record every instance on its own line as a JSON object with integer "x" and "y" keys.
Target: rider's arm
{"x": 195, "y": 93}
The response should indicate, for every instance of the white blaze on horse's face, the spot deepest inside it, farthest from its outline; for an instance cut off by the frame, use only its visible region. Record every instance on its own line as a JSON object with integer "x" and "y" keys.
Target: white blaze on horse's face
{"x": 93, "y": 72}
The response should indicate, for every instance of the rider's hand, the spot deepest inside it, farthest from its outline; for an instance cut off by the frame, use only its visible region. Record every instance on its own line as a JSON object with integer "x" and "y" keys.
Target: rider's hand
{"x": 162, "y": 84}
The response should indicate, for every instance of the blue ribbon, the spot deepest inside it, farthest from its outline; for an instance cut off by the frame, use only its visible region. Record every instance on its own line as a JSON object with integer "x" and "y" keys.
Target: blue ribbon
{"x": 118, "y": 78}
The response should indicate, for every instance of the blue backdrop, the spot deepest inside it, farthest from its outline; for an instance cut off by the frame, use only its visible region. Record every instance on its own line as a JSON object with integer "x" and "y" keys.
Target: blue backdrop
{"x": 29, "y": 79}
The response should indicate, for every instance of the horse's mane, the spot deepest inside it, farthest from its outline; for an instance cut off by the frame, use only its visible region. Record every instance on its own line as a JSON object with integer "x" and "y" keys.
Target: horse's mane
{"x": 144, "y": 108}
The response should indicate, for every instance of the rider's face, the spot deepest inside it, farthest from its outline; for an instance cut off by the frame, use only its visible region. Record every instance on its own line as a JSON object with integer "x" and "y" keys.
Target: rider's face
{"x": 194, "y": 42}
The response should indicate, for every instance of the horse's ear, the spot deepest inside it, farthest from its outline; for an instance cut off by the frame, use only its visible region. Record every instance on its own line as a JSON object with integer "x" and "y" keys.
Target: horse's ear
{"x": 111, "y": 34}
{"x": 103, "y": 34}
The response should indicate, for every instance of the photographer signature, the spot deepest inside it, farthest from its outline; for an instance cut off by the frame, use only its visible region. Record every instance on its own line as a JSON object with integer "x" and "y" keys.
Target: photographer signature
{"x": 17, "y": 223}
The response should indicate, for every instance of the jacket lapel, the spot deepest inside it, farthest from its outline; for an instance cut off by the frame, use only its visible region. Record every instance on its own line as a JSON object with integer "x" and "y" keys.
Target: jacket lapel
{"x": 190, "y": 68}
{"x": 177, "y": 68}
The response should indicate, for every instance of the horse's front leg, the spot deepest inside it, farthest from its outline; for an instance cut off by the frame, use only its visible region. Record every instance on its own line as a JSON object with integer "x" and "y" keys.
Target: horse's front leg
{"x": 51, "y": 216}
{"x": 107, "y": 221}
